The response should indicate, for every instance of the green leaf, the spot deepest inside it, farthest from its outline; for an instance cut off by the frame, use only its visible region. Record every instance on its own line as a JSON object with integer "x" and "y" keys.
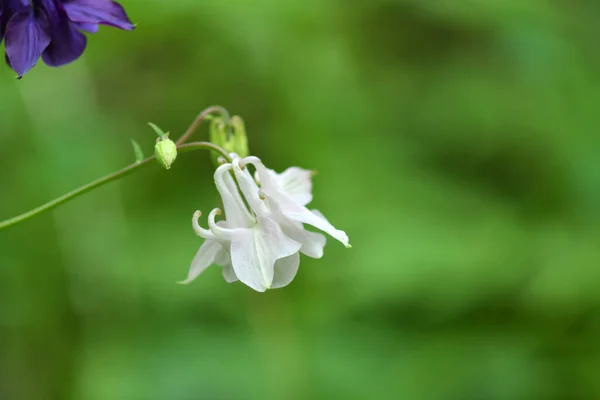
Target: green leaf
{"x": 139, "y": 154}
{"x": 158, "y": 131}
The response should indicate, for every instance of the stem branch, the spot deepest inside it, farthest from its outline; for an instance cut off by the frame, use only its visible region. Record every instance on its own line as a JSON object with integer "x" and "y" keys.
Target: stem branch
{"x": 104, "y": 180}
{"x": 201, "y": 117}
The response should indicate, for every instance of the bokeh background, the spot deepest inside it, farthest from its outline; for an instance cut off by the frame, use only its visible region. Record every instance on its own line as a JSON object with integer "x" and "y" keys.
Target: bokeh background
{"x": 456, "y": 142}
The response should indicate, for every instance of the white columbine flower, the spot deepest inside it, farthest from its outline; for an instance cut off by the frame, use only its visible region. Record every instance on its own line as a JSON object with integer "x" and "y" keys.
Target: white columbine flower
{"x": 285, "y": 196}
{"x": 250, "y": 247}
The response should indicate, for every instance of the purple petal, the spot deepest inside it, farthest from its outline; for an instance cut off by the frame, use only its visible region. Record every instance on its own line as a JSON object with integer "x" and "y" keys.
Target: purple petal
{"x": 7, "y": 9}
{"x": 67, "y": 43}
{"x": 87, "y": 27}
{"x": 105, "y": 12}
{"x": 1, "y": 21}
{"x": 11, "y": 7}
{"x": 27, "y": 35}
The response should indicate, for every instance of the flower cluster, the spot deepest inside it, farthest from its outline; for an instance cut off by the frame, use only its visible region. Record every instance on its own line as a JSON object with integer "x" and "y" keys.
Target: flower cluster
{"x": 260, "y": 240}
{"x": 51, "y": 29}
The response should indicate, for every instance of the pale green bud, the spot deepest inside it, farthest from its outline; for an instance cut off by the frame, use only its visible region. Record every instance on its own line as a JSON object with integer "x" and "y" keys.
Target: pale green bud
{"x": 230, "y": 137}
{"x": 218, "y": 131}
{"x": 239, "y": 141}
{"x": 165, "y": 152}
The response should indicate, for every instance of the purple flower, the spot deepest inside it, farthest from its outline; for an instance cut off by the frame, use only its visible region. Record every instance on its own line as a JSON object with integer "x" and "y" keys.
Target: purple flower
{"x": 51, "y": 29}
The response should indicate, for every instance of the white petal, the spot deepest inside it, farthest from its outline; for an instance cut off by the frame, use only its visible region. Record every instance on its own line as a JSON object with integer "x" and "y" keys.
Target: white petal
{"x": 236, "y": 213}
{"x": 285, "y": 270}
{"x": 223, "y": 258}
{"x": 291, "y": 216}
{"x": 284, "y": 245}
{"x": 268, "y": 181}
{"x": 312, "y": 243}
{"x": 249, "y": 189}
{"x": 229, "y": 274}
{"x": 291, "y": 209}
{"x": 204, "y": 258}
{"x": 304, "y": 215}
{"x": 254, "y": 252}
{"x": 319, "y": 214}
{"x": 253, "y": 260}
{"x": 296, "y": 182}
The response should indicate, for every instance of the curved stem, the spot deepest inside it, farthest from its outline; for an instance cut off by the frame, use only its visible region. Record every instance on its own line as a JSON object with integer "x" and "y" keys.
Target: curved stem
{"x": 201, "y": 117}
{"x": 183, "y": 148}
{"x": 104, "y": 180}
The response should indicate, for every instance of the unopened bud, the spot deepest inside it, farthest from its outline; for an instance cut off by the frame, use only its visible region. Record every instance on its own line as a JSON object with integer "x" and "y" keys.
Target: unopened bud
{"x": 239, "y": 142}
{"x": 231, "y": 136}
{"x": 165, "y": 152}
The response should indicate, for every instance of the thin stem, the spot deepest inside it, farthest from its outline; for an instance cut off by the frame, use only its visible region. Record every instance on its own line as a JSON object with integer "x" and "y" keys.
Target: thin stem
{"x": 201, "y": 117}
{"x": 183, "y": 148}
{"x": 102, "y": 181}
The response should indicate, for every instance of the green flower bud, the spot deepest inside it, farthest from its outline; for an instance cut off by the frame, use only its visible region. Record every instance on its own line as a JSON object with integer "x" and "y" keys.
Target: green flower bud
{"x": 239, "y": 142}
{"x": 165, "y": 152}
{"x": 231, "y": 137}
{"x": 218, "y": 136}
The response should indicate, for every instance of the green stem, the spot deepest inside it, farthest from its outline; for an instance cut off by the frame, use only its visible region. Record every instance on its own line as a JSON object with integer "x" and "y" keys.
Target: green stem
{"x": 104, "y": 180}
{"x": 201, "y": 117}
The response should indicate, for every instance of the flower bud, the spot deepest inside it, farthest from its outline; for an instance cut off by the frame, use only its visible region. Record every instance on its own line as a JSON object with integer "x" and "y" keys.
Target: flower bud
{"x": 165, "y": 152}
{"x": 239, "y": 141}
{"x": 231, "y": 137}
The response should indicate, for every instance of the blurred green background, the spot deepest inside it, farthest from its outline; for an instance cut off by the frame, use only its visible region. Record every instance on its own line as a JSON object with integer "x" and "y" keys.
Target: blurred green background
{"x": 456, "y": 142}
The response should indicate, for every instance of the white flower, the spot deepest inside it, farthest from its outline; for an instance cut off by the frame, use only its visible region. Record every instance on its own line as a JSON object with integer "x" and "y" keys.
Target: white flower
{"x": 285, "y": 196}
{"x": 260, "y": 247}
{"x": 251, "y": 248}
{"x": 295, "y": 182}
